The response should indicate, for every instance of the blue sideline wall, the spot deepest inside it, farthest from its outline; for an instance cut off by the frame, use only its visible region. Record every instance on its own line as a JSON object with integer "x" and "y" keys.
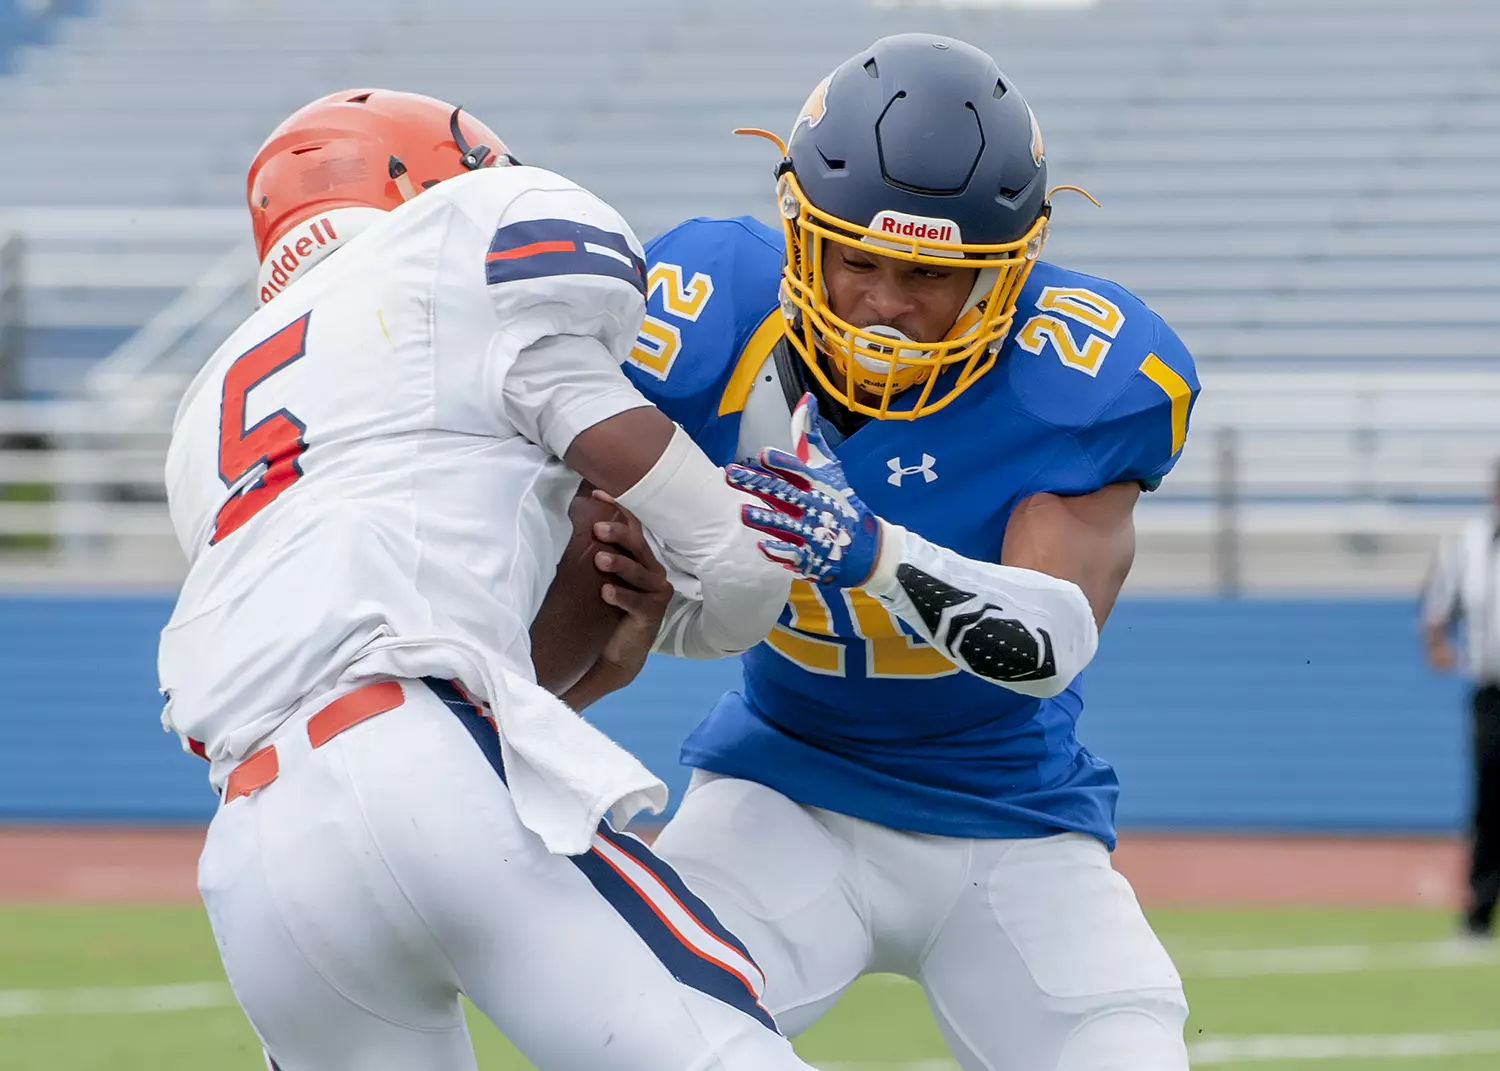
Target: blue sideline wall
{"x": 1250, "y": 715}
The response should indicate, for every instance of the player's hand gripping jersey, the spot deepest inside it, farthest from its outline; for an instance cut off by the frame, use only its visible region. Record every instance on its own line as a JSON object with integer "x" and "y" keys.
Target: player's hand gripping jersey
{"x": 366, "y": 473}
{"x": 845, "y": 706}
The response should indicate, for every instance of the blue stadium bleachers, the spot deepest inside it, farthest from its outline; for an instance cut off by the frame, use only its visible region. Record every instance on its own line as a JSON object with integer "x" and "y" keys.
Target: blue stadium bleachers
{"x": 1219, "y": 715}
{"x": 29, "y": 23}
{"x": 1288, "y": 183}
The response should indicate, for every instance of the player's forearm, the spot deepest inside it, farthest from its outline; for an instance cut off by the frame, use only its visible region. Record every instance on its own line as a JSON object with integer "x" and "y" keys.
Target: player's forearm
{"x": 577, "y": 404}
{"x": 593, "y": 686}
{"x": 1018, "y": 628}
{"x": 616, "y": 454}
{"x": 683, "y": 500}
{"x": 686, "y": 633}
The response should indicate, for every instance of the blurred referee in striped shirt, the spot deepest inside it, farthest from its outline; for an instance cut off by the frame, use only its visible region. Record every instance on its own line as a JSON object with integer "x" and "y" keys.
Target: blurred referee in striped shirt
{"x": 1464, "y": 587}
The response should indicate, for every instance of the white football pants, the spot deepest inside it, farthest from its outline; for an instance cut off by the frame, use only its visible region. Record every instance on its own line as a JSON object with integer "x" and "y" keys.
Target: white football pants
{"x": 1034, "y": 954}
{"x": 385, "y": 872}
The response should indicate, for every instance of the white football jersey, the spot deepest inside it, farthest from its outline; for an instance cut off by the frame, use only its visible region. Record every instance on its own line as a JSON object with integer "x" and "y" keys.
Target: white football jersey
{"x": 370, "y": 463}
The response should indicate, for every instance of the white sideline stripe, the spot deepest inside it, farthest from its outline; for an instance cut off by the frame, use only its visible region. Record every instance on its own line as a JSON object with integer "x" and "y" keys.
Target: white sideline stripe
{"x": 17, "y": 1003}
{"x": 1335, "y": 959}
{"x": 1319, "y": 959}
{"x": 909, "y": 1065}
{"x": 1274, "y": 1047}
{"x": 1268, "y": 1048}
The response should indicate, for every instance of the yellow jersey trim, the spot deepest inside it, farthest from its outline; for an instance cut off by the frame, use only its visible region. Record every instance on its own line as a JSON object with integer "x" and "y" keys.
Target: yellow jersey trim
{"x": 1177, "y": 389}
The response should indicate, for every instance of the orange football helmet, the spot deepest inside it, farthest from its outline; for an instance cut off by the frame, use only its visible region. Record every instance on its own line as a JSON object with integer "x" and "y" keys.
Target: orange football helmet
{"x": 363, "y": 149}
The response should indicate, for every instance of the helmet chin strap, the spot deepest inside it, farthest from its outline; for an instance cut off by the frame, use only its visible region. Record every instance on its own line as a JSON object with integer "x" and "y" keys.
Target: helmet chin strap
{"x": 473, "y": 157}
{"x": 476, "y": 156}
{"x": 397, "y": 170}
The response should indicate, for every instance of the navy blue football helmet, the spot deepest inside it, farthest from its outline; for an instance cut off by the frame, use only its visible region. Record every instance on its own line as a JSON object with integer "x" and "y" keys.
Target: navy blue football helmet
{"x": 917, "y": 148}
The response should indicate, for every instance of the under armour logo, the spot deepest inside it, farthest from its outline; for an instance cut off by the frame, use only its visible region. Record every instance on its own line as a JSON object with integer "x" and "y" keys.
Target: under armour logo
{"x": 898, "y": 470}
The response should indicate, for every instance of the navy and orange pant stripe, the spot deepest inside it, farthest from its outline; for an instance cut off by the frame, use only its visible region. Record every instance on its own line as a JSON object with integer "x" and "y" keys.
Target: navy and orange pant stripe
{"x": 679, "y": 928}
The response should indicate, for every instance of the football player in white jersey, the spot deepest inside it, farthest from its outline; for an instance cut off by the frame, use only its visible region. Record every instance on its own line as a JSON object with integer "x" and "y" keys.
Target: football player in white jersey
{"x": 371, "y": 481}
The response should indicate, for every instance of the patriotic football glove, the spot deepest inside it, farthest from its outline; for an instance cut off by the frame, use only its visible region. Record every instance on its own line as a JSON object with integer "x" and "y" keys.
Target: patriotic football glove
{"x": 818, "y": 526}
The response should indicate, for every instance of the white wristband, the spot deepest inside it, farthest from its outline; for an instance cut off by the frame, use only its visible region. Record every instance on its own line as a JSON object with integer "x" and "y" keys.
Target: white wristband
{"x": 892, "y": 549}
{"x": 687, "y": 505}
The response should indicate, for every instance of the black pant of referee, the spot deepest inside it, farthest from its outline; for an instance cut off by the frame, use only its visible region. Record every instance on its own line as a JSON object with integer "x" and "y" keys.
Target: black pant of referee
{"x": 1484, "y": 869}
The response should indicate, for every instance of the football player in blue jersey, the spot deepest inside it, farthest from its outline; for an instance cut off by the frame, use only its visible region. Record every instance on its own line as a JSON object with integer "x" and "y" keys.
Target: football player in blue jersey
{"x": 949, "y": 435}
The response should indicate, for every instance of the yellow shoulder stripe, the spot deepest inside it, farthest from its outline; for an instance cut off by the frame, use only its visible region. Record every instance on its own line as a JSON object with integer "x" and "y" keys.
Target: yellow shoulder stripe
{"x": 1177, "y": 389}
{"x": 757, "y": 348}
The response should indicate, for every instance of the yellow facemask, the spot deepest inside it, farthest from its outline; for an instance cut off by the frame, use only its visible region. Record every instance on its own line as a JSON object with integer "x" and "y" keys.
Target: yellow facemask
{"x": 877, "y": 361}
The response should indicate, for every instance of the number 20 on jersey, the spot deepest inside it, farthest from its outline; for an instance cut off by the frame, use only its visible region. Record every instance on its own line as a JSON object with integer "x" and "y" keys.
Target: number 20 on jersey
{"x": 811, "y": 638}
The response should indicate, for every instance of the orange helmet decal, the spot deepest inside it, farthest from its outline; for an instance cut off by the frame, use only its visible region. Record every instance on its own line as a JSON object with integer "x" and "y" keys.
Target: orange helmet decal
{"x": 815, "y": 106}
{"x": 1038, "y": 147}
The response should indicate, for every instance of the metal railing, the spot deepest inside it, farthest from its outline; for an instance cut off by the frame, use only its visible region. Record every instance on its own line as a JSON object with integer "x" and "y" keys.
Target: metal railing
{"x": 81, "y": 478}
{"x": 83, "y": 475}
{"x": 157, "y": 362}
{"x": 1238, "y": 489}
{"x": 1357, "y": 460}
{"x": 12, "y": 314}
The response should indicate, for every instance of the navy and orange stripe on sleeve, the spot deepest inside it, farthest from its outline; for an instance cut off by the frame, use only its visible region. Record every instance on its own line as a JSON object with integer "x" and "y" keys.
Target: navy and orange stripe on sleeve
{"x": 539, "y": 248}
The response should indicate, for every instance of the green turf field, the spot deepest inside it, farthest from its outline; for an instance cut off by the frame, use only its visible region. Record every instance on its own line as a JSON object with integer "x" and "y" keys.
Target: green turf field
{"x": 138, "y": 988}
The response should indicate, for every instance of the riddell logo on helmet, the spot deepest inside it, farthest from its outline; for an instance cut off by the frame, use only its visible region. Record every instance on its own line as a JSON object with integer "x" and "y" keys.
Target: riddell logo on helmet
{"x": 900, "y": 225}
{"x": 299, "y": 245}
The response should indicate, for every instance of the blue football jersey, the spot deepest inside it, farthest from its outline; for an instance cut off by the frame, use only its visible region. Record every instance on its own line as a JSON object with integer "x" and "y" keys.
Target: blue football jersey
{"x": 843, "y": 707}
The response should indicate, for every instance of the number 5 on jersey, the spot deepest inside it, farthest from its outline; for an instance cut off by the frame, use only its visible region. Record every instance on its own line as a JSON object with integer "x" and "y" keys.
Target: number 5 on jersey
{"x": 273, "y": 446}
